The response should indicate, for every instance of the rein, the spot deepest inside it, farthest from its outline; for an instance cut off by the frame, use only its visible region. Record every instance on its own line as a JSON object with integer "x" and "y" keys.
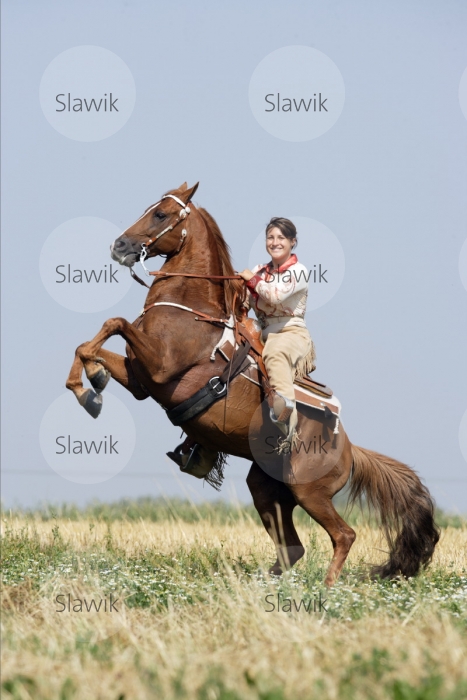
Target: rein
{"x": 200, "y": 316}
{"x": 190, "y": 274}
{"x": 160, "y": 273}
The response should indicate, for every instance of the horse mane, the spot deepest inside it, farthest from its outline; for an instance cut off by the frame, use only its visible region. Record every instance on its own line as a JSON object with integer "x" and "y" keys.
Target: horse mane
{"x": 223, "y": 249}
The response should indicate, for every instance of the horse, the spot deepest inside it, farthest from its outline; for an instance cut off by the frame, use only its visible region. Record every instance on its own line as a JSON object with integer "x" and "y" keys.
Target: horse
{"x": 169, "y": 357}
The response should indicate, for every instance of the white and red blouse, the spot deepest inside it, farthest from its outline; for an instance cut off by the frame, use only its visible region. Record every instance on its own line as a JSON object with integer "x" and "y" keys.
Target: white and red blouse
{"x": 278, "y": 296}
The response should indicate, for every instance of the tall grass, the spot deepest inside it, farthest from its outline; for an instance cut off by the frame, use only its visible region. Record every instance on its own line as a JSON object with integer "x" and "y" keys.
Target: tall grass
{"x": 193, "y": 617}
{"x": 217, "y": 512}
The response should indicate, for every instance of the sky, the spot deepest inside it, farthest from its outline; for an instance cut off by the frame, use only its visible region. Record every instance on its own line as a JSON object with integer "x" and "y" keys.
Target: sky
{"x": 386, "y": 180}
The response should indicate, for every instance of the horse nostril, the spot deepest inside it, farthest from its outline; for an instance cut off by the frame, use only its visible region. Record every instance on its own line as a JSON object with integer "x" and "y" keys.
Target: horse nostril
{"x": 119, "y": 244}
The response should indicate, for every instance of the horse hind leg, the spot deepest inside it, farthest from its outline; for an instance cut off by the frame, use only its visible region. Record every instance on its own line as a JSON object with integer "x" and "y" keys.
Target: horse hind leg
{"x": 320, "y": 507}
{"x": 275, "y": 503}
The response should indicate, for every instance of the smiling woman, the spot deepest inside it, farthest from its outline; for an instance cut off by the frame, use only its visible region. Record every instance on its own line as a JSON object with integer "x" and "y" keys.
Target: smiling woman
{"x": 278, "y": 294}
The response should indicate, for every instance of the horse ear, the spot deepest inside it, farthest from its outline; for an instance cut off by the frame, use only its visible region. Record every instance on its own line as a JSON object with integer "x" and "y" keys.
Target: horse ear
{"x": 188, "y": 194}
{"x": 183, "y": 187}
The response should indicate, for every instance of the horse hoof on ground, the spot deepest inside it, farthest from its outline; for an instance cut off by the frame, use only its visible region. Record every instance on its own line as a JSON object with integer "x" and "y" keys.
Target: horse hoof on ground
{"x": 100, "y": 379}
{"x": 92, "y": 402}
{"x": 275, "y": 570}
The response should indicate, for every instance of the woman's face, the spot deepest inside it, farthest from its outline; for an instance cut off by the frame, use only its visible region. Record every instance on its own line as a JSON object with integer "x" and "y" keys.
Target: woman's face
{"x": 278, "y": 246}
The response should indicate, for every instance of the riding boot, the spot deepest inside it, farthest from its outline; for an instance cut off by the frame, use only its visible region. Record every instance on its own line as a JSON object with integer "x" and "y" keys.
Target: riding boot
{"x": 178, "y": 457}
{"x": 193, "y": 458}
{"x": 182, "y": 452}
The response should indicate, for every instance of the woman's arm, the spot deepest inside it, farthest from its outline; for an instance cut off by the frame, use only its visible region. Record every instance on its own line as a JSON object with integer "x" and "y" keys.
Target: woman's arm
{"x": 281, "y": 286}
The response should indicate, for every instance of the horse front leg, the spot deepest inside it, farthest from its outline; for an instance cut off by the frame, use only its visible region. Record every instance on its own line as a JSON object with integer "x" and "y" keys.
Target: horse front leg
{"x": 91, "y": 357}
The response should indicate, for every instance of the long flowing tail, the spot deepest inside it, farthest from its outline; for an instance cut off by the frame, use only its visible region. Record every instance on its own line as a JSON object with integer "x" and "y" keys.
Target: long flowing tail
{"x": 405, "y": 506}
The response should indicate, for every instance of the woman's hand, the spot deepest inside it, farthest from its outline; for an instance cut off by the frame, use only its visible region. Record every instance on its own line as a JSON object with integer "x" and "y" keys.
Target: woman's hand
{"x": 246, "y": 274}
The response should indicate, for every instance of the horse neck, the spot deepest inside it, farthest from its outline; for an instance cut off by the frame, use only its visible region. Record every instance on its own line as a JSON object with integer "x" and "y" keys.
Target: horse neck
{"x": 199, "y": 255}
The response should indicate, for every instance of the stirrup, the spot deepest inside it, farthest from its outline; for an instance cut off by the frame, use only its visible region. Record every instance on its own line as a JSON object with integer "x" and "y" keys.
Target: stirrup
{"x": 286, "y": 410}
{"x": 177, "y": 456}
{"x": 282, "y": 425}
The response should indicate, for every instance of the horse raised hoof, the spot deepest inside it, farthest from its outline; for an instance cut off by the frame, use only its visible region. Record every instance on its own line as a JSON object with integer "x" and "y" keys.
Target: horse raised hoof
{"x": 91, "y": 402}
{"x": 100, "y": 379}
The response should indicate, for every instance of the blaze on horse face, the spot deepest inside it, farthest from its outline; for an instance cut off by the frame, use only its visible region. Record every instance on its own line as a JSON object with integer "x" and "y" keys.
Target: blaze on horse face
{"x": 153, "y": 231}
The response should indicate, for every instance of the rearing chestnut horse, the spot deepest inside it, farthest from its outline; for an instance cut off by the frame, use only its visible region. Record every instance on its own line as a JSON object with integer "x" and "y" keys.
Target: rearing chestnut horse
{"x": 169, "y": 359}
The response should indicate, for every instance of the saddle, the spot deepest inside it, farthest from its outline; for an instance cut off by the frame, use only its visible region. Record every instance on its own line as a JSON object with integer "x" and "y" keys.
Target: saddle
{"x": 307, "y": 391}
{"x": 243, "y": 351}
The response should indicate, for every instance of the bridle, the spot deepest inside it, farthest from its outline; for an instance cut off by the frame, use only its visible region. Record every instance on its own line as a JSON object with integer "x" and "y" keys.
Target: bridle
{"x": 183, "y": 213}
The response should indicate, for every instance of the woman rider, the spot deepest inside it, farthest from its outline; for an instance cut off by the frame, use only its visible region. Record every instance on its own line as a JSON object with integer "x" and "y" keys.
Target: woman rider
{"x": 277, "y": 294}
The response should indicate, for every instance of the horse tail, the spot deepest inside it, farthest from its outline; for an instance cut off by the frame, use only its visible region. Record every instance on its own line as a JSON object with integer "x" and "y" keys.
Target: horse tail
{"x": 405, "y": 506}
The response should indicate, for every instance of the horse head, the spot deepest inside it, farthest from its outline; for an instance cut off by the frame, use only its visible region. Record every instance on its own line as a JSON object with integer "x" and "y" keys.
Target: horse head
{"x": 161, "y": 230}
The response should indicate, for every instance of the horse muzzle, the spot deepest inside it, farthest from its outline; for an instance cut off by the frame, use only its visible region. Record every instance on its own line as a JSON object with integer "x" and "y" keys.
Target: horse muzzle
{"x": 124, "y": 252}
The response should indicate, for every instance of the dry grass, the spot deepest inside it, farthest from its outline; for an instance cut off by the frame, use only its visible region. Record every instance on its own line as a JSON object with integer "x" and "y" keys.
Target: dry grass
{"x": 236, "y": 539}
{"x": 195, "y": 624}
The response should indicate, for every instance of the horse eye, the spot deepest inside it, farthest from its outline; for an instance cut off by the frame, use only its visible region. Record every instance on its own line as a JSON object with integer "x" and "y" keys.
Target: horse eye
{"x": 160, "y": 215}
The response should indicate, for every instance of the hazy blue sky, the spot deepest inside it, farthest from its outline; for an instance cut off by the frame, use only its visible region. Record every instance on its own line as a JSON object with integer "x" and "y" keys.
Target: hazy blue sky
{"x": 388, "y": 179}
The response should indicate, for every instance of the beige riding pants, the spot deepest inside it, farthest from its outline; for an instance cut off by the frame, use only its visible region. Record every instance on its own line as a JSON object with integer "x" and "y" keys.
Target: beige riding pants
{"x": 288, "y": 354}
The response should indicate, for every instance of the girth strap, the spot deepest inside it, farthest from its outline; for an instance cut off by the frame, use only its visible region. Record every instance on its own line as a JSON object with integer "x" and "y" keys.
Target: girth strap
{"x": 215, "y": 389}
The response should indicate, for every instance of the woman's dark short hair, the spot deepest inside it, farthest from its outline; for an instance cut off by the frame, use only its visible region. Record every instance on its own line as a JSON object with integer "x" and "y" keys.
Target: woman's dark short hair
{"x": 286, "y": 227}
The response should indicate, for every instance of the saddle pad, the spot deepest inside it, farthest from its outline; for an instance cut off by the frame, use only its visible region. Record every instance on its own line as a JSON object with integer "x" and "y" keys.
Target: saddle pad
{"x": 311, "y": 398}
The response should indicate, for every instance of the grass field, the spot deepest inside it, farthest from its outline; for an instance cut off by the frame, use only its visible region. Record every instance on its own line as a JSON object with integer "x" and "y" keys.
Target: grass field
{"x": 195, "y": 615}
